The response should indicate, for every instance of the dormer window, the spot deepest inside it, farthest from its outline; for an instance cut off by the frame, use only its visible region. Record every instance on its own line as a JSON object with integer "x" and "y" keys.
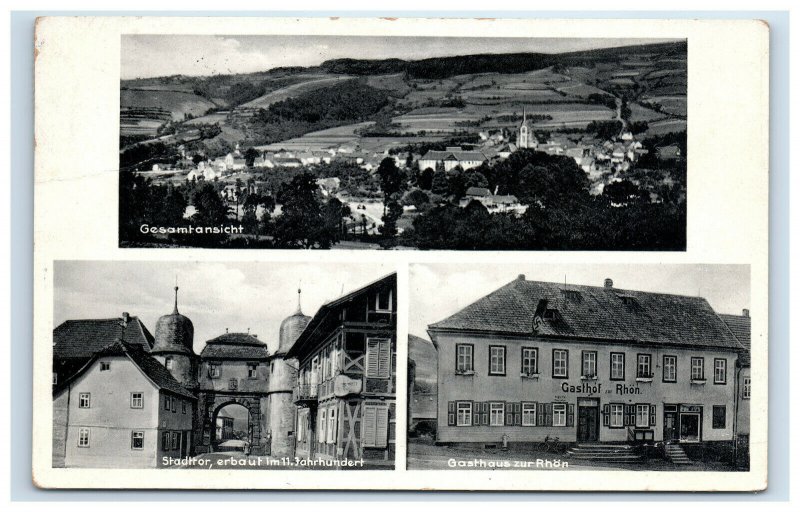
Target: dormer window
{"x": 572, "y": 295}
{"x": 550, "y": 314}
{"x": 629, "y": 301}
{"x": 168, "y": 363}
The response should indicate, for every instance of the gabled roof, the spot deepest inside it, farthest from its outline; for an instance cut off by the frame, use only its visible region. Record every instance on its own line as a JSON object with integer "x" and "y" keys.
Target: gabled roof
{"x": 740, "y": 327}
{"x": 82, "y": 338}
{"x": 147, "y": 364}
{"x": 322, "y": 314}
{"x": 593, "y": 313}
{"x": 478, "y": 192}
{"x": 454, "y": 155}
{"x": 235, "y": 346}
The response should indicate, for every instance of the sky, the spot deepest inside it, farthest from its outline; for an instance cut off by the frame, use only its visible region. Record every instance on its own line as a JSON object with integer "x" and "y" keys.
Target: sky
{"x": 161, "y": 55}
{"x": 214, "y": 295}
{"x": 438, "y": 291}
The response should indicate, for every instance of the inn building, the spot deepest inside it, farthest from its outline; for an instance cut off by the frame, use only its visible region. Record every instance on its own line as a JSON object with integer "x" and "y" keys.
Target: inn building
{"x": 345, "y": 387}
{"x": 587, "y": 365}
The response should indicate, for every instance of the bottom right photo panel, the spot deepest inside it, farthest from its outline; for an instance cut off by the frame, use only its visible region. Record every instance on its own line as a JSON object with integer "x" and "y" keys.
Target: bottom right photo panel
{"x": 579, "y": 367}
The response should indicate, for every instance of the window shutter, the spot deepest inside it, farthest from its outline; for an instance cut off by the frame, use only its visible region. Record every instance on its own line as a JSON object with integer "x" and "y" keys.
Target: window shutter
{"x": 476, "y": 413}
{"x": 373, "y": 352}
{"x": 485, "y": 413}
{"x": 509, "y": 413}
{"x": 369, "y": 426}
{"x": 517, "y": 414}
{"x": 385, "y": 359}
{"x": 382, "y": 427}
{"x": 451, "y": 413}
{"x": 540, "y": 413}
{"x": 570, "y": 415}
{"x": 652, "y": 415}
{"x": 606, "y": 416}
{"x": 548, "y": 420}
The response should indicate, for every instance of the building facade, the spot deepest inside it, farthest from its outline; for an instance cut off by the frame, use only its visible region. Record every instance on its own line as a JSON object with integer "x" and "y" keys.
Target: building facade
{"x": 740, "y": 327}
{"x": 345, "y": 388}
{"x": 585, "y": 364}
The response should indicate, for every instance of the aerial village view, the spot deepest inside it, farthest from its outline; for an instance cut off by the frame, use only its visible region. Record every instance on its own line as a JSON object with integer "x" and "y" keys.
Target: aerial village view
{"x": 560, "y": 150}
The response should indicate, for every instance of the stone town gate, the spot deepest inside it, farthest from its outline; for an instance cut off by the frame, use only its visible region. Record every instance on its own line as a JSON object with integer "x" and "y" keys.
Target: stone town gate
{"x": 209, "y": 404}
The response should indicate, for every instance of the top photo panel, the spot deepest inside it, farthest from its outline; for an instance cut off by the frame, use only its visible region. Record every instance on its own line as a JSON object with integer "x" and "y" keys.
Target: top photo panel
{"x": 429, "y": 143}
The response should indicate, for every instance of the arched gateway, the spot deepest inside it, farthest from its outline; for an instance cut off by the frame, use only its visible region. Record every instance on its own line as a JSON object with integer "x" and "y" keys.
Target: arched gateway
{"x": 233, "y": 370}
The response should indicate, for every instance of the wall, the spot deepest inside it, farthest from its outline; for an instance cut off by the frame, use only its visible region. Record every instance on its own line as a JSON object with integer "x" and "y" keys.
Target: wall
{"x": 60, "y": 419}
{"x": 230, "y": 369}
{"x": 514, "y": 388}
{"x": 174, "y": 421}
{"x": 281, "y": 423}
{"x": 111, "y": 419}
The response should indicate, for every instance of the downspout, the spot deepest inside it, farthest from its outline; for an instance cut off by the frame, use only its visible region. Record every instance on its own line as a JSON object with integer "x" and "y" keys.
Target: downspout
{"x": 736, "y": 413}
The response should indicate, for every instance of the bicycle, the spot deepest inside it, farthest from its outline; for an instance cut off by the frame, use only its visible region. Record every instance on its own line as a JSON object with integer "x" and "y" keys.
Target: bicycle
{"x": 551, "y": 445}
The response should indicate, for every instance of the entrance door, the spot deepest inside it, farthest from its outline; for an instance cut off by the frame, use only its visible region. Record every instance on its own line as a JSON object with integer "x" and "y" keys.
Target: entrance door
{"x": 690, "y": 427}
{"x": 588, "y": 421}
{"x": 671, "y": 424}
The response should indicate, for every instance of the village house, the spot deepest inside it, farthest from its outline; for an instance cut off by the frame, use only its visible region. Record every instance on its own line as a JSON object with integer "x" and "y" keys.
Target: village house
{"x": 492, "y": 202}
{"x": 345, "y": 390}
{"x": 740, "y": 327}
{"x": 450, "y": 158}
{"x": 588, "y": 365}
{"x": 121, "y": 406}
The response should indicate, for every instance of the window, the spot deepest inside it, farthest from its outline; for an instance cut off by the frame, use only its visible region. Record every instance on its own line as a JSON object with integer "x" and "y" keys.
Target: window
{"x": 497, "y": 413}
{"x": 617, "y": 412}
{"x": 559, "y": 415}
{"x": 589, "y": 364}
{"x": 322, "y": 423}
{"x": 104, "y": 366}
{"x": 464, "y": 358}
{"x": 301, "y": 427}
{"x": 233, "y": 384}
{"x": 746, "y": 388}
{"x": 137, "y": 400}
{"x": 252, "y": 370}
{"x": 720, "y": 371}
{"x": 383, "y": 301}
{"x": 55, "y": 378}
{"x": 643, "y": 368}
{"x": 497, "y": 360}
{"x": 670, "y": 369}
{"x": 642, "y": 415}
{"x": 168, "y": 362}
{"x": 165, "y": 441}
{"x": 84, "y": 400}
{"x": 137, "y": 440}
{"x": 530, "y": 361}
{"x": 214, "y": 369}
{"x": 718, "y": 417}
{"x": 560, "y": 362}
{"x": 167, "y": 402}
{"x": 379, "y": 358}
{"x": 573, "y": 295}
{"x": 83, "y": 437}
{"x": 617, "y": 366}
{"x": 331, "y": 425}
{"x": 183, "y": 407}
{"x": 175, "y": 440}
{"x": 464, "y": 414}
{"x": 375, "y": 427}
{"x": 698, "y": 374}
{"x": 528, "y": 413}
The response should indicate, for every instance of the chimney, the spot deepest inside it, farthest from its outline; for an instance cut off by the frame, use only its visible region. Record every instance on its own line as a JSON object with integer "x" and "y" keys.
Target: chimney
{"x": 746, "y": 313}
{"x": 126, "y": 317}
{"x": 521, "y": 277}
{"x": 608, "y": 284}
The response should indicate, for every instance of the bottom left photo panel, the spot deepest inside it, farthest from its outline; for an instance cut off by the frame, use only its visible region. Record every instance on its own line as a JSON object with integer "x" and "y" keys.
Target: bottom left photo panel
{"x": 224, "y": 365}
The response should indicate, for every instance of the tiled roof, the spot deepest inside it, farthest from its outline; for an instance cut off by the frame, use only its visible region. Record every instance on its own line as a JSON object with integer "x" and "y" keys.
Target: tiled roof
{"x": 235, "y": 346}
{"x": 740, "y": 327}
{"x": 454, "y": 155}
{"x": 149, "y": 366}
{"x": 478, "y": 192}
{"x": 595, "y": 313}
{"x": 83, "y": 338}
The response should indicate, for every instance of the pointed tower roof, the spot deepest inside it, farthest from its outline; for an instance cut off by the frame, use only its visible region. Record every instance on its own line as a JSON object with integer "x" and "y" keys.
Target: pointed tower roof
{"x": 292, "y": 327}
{"x": 174, "y": 332}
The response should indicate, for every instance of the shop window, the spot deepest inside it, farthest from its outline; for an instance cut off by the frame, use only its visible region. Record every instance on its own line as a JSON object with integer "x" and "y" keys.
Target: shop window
{"x": 497, "y": 360}
{"x": 718, "y": 417}
{"x": 560, "y": 363}
{"x": 617, "y": 372}
{"x": 464, "y": 358}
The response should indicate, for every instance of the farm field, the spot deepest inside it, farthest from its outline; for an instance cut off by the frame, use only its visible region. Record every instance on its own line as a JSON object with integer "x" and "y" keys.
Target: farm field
{"x": 316, "y": 82}
{"x": 178, "y": 103}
